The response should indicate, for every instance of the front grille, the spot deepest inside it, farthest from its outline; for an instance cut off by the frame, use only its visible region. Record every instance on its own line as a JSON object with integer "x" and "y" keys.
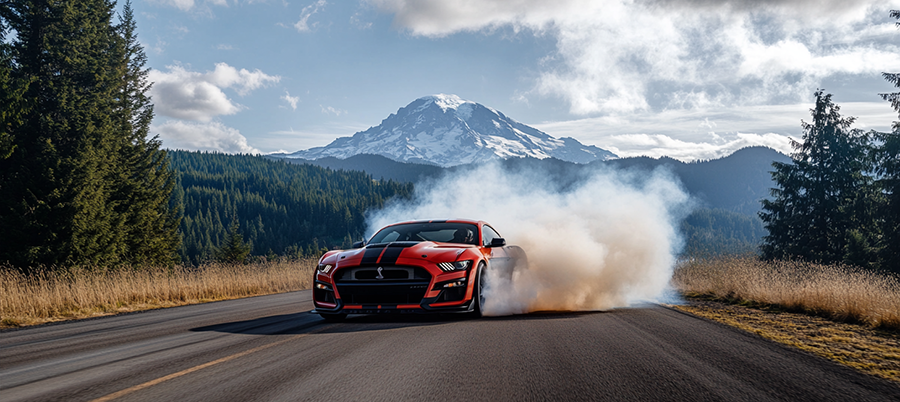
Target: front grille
{"x": 392, "y": 273}
{"x": 397, "y": 285}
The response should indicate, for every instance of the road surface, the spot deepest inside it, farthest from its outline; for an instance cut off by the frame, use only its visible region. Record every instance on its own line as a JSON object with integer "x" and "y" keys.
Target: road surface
{"x": 269, "y": 348}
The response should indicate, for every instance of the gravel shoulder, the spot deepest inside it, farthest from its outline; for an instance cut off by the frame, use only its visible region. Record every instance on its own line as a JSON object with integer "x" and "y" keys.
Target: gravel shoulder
{"x": 869, "y": 350}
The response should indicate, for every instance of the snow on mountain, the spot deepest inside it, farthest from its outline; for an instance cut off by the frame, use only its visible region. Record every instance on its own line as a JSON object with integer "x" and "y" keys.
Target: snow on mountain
{"x": 446, "y": 130}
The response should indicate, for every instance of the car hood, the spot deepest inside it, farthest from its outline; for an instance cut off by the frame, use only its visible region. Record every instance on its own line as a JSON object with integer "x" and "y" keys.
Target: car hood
{"x": 433, "y": 252}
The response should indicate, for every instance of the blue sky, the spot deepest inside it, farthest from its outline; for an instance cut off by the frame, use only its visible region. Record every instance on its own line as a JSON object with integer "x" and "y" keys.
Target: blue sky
{"x": 691, "y": 79}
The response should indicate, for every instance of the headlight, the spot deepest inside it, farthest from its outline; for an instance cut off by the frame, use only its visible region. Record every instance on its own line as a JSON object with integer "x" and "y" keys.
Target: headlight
{"x": 455, "y": 266}
{"x": 324, "y": 268}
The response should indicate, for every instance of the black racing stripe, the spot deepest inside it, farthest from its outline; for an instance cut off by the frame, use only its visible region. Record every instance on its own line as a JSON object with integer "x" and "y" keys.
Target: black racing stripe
{"x": 393, "y": 252}
{"x": 371, "y": 255}
{"x": 444, "y": 221}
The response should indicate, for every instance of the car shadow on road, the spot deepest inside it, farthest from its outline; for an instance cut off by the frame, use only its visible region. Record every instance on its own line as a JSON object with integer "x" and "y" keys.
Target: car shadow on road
{"x": 304, "y": 322}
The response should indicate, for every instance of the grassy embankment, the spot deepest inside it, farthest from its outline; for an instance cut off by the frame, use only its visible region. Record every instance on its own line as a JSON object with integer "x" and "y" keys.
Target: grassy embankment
{"x": 80, "y": 293}
{"x": 844, "y": 314}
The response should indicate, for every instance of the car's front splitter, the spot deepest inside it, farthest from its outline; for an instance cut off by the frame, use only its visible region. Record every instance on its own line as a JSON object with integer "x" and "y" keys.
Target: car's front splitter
{"x": 426, "y": 307}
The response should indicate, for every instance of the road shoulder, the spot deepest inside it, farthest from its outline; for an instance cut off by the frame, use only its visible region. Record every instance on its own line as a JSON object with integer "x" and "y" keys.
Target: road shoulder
{"x": 872, "y": 351}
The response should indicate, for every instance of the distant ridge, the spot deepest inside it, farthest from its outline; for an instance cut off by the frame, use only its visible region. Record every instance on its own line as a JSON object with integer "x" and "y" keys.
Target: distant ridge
{"x": 736, "y": 182}
{"x": 446, "y": 130}
{"x": 379, "y": 167}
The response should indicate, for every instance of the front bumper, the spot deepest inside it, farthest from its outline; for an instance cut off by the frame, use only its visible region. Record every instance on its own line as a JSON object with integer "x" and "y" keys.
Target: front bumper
{"x": 428, "y": 305}
{"x": 391, "y": 290}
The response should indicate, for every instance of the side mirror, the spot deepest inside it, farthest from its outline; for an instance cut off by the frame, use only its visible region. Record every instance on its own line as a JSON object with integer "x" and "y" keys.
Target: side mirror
{"x": 498, "y": 242}
{"x": 358, "y": 244}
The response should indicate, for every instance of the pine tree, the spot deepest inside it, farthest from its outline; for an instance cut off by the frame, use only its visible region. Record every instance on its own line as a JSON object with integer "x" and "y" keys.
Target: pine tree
{"x": 84, "y": 185}
{"x": 822, "y": 207}
{"x": 887, "y": 158}
{"x": 12, "y": 106}
{"x": 145, "y": 182}
{"x": 233, "y": 250}
{"x": 55, "y": 193}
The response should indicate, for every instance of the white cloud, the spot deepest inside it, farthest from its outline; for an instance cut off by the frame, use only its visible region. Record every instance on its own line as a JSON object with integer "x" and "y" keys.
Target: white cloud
{"x": 291, "y": 100}
{"x": 198, "y": 96}
{"x": 303, "y": 24}
{"x": 212, "y": 136}
{"x": 657, "y": 145}
{"x": 159, "y": 47}
{"x": 187, "y": 5}
{"x": 331, "y": 110}
{"x": 183, "y": 5}
{"x": 699, "y": 133}
{"x": 356, "y": 20}
{"x": 242, "y": 80}
{"x": 627, "y": 56}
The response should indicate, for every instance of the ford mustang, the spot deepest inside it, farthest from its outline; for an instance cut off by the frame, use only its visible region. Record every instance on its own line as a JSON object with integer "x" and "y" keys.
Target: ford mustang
{"x": 414, "y": 267}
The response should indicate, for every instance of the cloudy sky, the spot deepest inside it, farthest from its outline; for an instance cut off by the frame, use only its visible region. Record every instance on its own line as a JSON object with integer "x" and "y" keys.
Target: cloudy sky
{"x": 691, "y": 79}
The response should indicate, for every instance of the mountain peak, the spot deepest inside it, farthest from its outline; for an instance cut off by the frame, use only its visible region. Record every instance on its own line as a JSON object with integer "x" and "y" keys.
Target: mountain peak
{"x": 447, "y": 130}
{"x": 444, "y": 101}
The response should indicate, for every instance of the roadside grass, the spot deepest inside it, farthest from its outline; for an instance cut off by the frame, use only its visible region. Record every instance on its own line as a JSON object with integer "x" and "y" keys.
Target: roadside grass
{"x": 873, "y": 351}
{"x": 841, "y": 313}
{"x": 88, "y": 291}
{"x": 840, "y": 293}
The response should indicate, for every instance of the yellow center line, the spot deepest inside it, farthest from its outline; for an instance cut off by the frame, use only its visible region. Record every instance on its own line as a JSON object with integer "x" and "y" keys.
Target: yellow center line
{"x": 151, "y": 383}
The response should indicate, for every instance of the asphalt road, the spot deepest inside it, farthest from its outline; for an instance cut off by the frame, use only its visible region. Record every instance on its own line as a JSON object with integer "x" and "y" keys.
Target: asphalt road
{"x": 269, "y": 348}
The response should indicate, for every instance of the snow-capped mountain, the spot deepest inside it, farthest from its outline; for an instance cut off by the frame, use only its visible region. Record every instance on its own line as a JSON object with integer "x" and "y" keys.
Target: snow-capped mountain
{"x": 447, "y": 131}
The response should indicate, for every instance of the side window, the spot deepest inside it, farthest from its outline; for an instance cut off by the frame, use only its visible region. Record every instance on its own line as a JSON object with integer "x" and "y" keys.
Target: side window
{"x": 488, "y": 234}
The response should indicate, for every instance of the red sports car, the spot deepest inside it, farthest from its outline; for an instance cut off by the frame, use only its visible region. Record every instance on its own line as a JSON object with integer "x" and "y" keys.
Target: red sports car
{"x": 413, "y": 267}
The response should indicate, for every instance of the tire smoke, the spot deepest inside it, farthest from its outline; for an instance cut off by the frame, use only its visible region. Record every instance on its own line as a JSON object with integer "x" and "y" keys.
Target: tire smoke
{"x": 600, "y": 240}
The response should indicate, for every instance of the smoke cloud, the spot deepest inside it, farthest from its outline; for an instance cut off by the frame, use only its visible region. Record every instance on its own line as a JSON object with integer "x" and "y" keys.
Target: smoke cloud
{"x": 599, "y": 240}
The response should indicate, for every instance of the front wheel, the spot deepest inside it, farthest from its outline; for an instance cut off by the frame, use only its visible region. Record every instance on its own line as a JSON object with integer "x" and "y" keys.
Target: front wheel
{"x": 478, "y": 293}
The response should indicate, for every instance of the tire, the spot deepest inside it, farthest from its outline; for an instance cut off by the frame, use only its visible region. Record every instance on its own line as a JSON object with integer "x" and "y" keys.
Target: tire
{"x": 333, "y": 317}
{"x": 478, "y": 293}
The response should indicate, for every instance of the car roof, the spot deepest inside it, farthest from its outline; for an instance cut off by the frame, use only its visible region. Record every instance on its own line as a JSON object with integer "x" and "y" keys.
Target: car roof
{"x": 457, "y": 220}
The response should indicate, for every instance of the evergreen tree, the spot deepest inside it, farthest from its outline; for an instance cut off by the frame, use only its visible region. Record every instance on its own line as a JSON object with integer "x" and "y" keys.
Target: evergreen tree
{"x": 233, "y": 249}
{"x": 83, "y": 184}
{"x": 893, "y": 78}
{"x": 822, "y": 207}
{"x": 887, "y": 158}
{"x": 55, "y": 197}
{"x": 145, "y": 181}
{"x": 12, "y": 106}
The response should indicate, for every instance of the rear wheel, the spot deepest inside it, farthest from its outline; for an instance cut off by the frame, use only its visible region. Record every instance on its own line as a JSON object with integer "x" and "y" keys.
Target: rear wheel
{"x": 333, "y": 317}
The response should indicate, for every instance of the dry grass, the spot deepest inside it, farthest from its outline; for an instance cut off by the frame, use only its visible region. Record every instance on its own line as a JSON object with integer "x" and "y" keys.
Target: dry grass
{"x": 838, "y": 292}
{"x": 873, "y": 351}
{"x": 79, "y": 293}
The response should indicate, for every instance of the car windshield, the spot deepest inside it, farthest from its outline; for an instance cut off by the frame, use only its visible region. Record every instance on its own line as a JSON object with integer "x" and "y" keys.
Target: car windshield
{"x": 464, "y": 233}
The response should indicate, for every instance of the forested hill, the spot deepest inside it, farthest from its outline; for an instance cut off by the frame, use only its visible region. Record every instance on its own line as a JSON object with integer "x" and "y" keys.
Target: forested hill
{"x": 733, "y": 183}
{"x": 281, "y": 208}
{"x": 736, "y": 183}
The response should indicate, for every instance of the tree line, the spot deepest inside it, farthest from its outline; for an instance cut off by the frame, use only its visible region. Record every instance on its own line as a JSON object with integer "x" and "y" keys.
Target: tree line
{"x": 277, "y": 208}
{"x": 81, "y": 182}
{"x": 838, "y": 200}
